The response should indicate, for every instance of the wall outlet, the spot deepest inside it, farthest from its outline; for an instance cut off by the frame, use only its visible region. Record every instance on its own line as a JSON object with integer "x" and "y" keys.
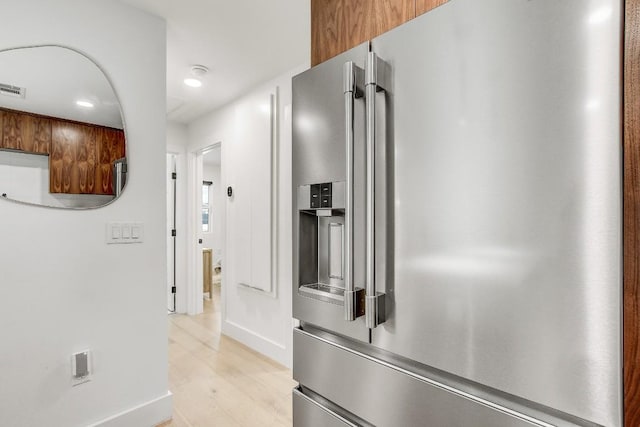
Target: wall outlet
{"x": 81, "y": 367}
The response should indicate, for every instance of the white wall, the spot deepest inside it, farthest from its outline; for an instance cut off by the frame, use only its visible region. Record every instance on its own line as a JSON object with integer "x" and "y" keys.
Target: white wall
{"x": 177, "y": 139}
{"x": 25, "y": 177}
{"x": 64, "y": 290}
{"x": 256, "y": 319}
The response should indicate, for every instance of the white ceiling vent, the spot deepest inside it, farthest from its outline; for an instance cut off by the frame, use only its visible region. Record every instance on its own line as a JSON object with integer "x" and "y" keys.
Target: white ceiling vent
{"x": 15, "y": 91}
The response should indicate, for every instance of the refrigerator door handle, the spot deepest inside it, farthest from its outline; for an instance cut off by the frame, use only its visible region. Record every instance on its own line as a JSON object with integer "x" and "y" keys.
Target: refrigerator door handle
{"x": 353, "y": 78}
{"x": 375, "y": 81}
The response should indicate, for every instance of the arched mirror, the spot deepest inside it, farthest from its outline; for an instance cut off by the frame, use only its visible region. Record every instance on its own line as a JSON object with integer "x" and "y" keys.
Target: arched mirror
{"x": 62, "y": 139}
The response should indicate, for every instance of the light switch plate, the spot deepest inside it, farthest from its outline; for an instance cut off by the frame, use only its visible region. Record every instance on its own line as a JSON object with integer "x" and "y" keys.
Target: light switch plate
{"x": 118, "y": 232}
{"x": 137, "y": 232}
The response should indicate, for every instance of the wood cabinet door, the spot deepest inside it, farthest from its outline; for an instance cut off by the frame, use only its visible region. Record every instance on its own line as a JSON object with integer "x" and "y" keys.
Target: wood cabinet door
{"x": 86, "y": 159}
{"x": 339, "y": 25}
{"x": 72, "y": 162}
{"x": 82, "y": 158}
{"x": 110, "y": 147}
{"x": 25, "y": 132}
{"x": 1, "y": 128}
{"x": 63, "y": 177}
{"x": 12, "y": 133}
{"x": 41, "y": 142}
{"x": 423, "y": 6}
{"x": 388, "y": 14}
{"x": 631, "y": 228}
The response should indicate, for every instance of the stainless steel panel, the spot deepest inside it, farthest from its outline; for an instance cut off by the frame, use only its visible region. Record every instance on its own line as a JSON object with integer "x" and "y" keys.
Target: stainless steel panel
{"x": 318, "y": 156}
{"x": 336, "y": 251}
{"x": 330, "y": 251}
{"x": 503, "y": 119}
{"x": 338, "y": 197}
{"x": 392, "y": 397}
{"x": 309, "y": 413}
{"x": 304, "y": 197}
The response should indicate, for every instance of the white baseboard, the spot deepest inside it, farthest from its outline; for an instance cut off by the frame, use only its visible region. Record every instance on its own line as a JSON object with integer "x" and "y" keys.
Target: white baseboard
{"x": 148, "y": 414}
{"x": 269, "y": 348}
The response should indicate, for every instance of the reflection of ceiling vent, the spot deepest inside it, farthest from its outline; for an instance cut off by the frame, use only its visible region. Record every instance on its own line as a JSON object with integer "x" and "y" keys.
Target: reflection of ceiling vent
{"x": 18, "y": 92}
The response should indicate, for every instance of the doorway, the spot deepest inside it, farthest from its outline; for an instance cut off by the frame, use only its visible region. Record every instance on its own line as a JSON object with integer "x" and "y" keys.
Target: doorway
{"x": 206, "y": 206}
{"x": 211, "y": 222}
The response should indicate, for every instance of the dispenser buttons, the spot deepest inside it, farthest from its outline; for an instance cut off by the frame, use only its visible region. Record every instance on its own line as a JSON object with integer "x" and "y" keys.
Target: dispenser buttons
{"x": 320, "y": 196}
{"x": 325, "y": 189}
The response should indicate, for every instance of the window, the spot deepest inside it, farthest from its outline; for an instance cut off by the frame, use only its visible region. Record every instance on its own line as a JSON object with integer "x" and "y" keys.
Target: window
{"x": 206, "y": 207}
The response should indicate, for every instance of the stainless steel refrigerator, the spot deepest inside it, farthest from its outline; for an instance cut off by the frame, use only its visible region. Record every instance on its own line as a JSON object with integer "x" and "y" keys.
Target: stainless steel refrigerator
{"x": 457, "y": 221}
{"x": 119, "y": 176}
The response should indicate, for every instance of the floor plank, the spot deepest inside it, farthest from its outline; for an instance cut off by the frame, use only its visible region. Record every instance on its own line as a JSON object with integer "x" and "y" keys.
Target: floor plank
{"x": 216, "y": 381}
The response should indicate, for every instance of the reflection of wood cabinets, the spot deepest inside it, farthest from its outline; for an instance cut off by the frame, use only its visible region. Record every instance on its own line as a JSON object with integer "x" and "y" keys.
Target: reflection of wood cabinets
{"x": 80, "y": 155}
{"x": 72, "y": 164}
{"x": 339, "y": 25}
{"x": 109, "y": 148}
{"x": 25, "y": 132}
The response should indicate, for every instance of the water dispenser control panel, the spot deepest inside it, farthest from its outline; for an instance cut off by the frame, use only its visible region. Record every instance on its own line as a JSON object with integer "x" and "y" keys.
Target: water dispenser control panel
{"x": 330, "y": 195}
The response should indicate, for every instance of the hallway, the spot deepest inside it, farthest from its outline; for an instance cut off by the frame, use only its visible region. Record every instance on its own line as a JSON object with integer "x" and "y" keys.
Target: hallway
{"x": 218, "y": 381}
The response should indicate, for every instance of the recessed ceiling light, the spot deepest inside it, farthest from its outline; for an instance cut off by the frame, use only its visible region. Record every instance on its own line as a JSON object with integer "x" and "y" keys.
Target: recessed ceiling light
{"x": 196, "y": 71}
{"x": 191, "y": 82}
{"x": 199, "y": 70}
{"x": 85, "y": 104}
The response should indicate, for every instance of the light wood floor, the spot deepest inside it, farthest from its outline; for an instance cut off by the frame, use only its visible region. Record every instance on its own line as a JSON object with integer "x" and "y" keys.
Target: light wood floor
{"x": 216, "y": 381}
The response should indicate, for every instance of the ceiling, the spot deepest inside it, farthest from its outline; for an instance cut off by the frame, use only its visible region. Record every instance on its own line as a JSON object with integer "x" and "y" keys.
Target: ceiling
{"x": 243, "y": 43}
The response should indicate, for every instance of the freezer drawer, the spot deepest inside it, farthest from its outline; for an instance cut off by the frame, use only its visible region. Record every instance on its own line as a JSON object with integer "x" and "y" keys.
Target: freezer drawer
{"x": 309, "y": 413}
{"x": 385, "y": 395}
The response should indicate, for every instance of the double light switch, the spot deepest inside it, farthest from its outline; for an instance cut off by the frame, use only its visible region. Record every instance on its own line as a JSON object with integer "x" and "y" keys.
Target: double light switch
{"x": 125, "y": 232}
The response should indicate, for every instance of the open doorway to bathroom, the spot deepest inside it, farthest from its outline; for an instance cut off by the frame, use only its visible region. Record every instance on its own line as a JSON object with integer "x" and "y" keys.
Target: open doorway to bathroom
{"x": 211, "y": 223}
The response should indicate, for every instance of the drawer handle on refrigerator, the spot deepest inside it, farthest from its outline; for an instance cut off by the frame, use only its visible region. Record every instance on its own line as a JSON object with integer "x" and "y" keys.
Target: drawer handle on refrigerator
{"x": 352, "y": 78}
{"x": 375, "y": 76}
{"x": 297, "y": 393}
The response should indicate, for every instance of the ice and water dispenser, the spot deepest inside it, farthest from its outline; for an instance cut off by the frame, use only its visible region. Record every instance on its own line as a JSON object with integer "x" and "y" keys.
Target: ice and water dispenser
{"x": 321, "y": 210}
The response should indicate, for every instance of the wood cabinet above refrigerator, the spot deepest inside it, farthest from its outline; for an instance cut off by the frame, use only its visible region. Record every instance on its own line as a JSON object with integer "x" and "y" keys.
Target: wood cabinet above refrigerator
{"x": 339, "y": 25}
